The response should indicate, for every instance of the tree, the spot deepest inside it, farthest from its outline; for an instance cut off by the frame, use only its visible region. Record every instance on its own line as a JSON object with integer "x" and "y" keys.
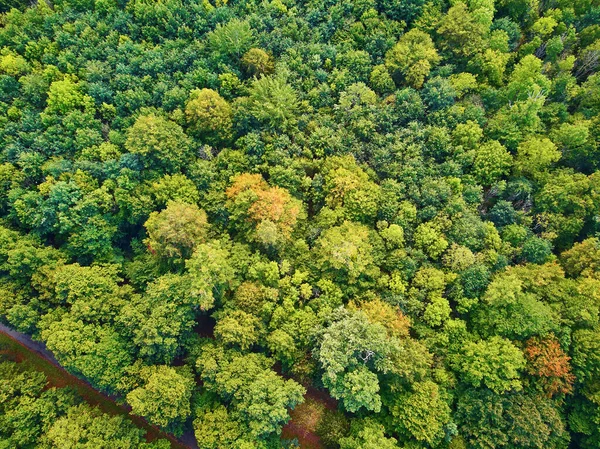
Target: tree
{"x": 420, "y": 413}
{"x": 238, "y": 328}
{"x": 252, "y": 201}
{"x": 174, "y": 232}
{"x": 160, "y": 143}
{"x": 84, "y": 426}
{"x": 258, "y": 62}
{"x": 494, "y": 363}
{"x": 231, "y": 39}
{"x": 177, "y": 188}
{"x": 258, "y": 397}
{"x": 211, "y": 273}
{"x": 461, "y": 33}
{"x": 347, "y": 186}
{"x": 351, "y": 351}
{"x": 164, "y": 395}
{"x": 97, "y": 353}
{"x": 367, "y": 434}
{"x": 346, "y": 251}
{"x": 161, "y": 320}
{"x": 430, "y": 240}
{"x": 547, "y": 362}
{"x": 583, "y": 259}
{"x": 27, "y": 408}
{"x": 412, "y": 57}
{"x": 492, "y": 161}
{"x": 209, "y": 116}
{"x": 535, "y": 156}
{"x": 585, "y": 355}
{"x": 489, "y": 421}
{"x": 510, "y": 310}
{"x": 273, "y": 102}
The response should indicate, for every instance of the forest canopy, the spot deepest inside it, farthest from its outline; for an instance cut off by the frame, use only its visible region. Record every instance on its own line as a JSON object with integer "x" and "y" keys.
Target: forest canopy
{"x": 209, "y": 208}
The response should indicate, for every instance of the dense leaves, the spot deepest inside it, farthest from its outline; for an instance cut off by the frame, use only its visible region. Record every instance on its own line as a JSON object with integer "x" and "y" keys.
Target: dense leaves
{"x": 209, "y": 208}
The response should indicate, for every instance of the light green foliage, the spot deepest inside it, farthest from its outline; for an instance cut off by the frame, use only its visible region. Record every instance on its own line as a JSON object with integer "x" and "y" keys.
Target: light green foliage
{"x": 348, "y": 187}
{"x": 159, "y": 142}
{"x": 231, "y": 39}
{"x": 492, "y": 161}
{"x": 346, "y": 250}
{"x": 176, "y": 231}
{"x": 430, "y": 240}
{"x": 211, "y": 273}
{"x": 583, "y": 258}
{"x": 27, "y": 409}
{"x": 162, "y": 318}
{"x": 493, "y": 363}
{"x": 461, "y": 32}
{"x": 273, "y": 102}
{"x": 351, "y": 351}
{"x": 238, "y": 328}
{"x": 177, "y": 188}
{"x": 13, "y": 64}
{"x": 421, "y": 413}
{"x": 208, "y": 115}
{"x": 512, "y": 311}
{"x": 257, "y": 396}
{"x": 163, "y": 397}
{"x": 412, "y": 57}
{"x": 96, "y": 352}
{"x": 535, "y": 156}
{"x": 544, "y": 26}
{"x": 527, "y": 79}
{"x": 65, "y": 96}
{"x": 84, "y": 426}
{"x": 367, "y": 434}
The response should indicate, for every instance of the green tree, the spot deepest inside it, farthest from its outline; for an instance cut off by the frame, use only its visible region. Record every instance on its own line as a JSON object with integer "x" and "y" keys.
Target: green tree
{"x": 412, "y": 57}
{"x": 96, "y": 352}
{"x": 351, "y": 351}
{"x": 367, "y": 434}
{"x": 460, "y": 32}
{"x": 258, "y": 62}
{"x": 231, "y": 39}
{"x": 256, "y": 394}
{"x": 273, "y": 102}
{"x": 84, "y": 426}
{"x": 494, "y": 363}
{"x": 174, "y": 232}
{"x": 489, "y": 421}
{"x": 346, "y": 251}
{"x": 164, "y": 395}
{"x": 492, "y": 161}
{"x": 420, "y": 413}
{"x": 208, "y": 116}
{"x": 238, "y": 328}
{"x": 535, "y": 156}
{"x": 160, "y": 143}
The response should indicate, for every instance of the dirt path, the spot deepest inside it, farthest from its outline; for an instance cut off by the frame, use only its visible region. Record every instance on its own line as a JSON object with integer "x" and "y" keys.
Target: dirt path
{"x": 306, "y": 417}
{"x": 106, "y": 403}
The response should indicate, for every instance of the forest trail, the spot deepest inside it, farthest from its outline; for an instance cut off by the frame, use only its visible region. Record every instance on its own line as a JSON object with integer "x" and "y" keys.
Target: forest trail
{"x": 297, "y": 427}
{"x": 59, "y": 377}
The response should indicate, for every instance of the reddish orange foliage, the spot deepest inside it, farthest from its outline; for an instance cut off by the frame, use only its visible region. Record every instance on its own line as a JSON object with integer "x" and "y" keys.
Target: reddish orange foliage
{"x": 246, "y": 181}
{"x": 266, "y": 204}
{"x": 547, "y": 360}
{"x": 276, "y": 205}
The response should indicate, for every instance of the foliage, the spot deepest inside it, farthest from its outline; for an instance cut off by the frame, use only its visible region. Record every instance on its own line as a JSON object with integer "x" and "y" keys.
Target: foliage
{"x": 206, "y": 204}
